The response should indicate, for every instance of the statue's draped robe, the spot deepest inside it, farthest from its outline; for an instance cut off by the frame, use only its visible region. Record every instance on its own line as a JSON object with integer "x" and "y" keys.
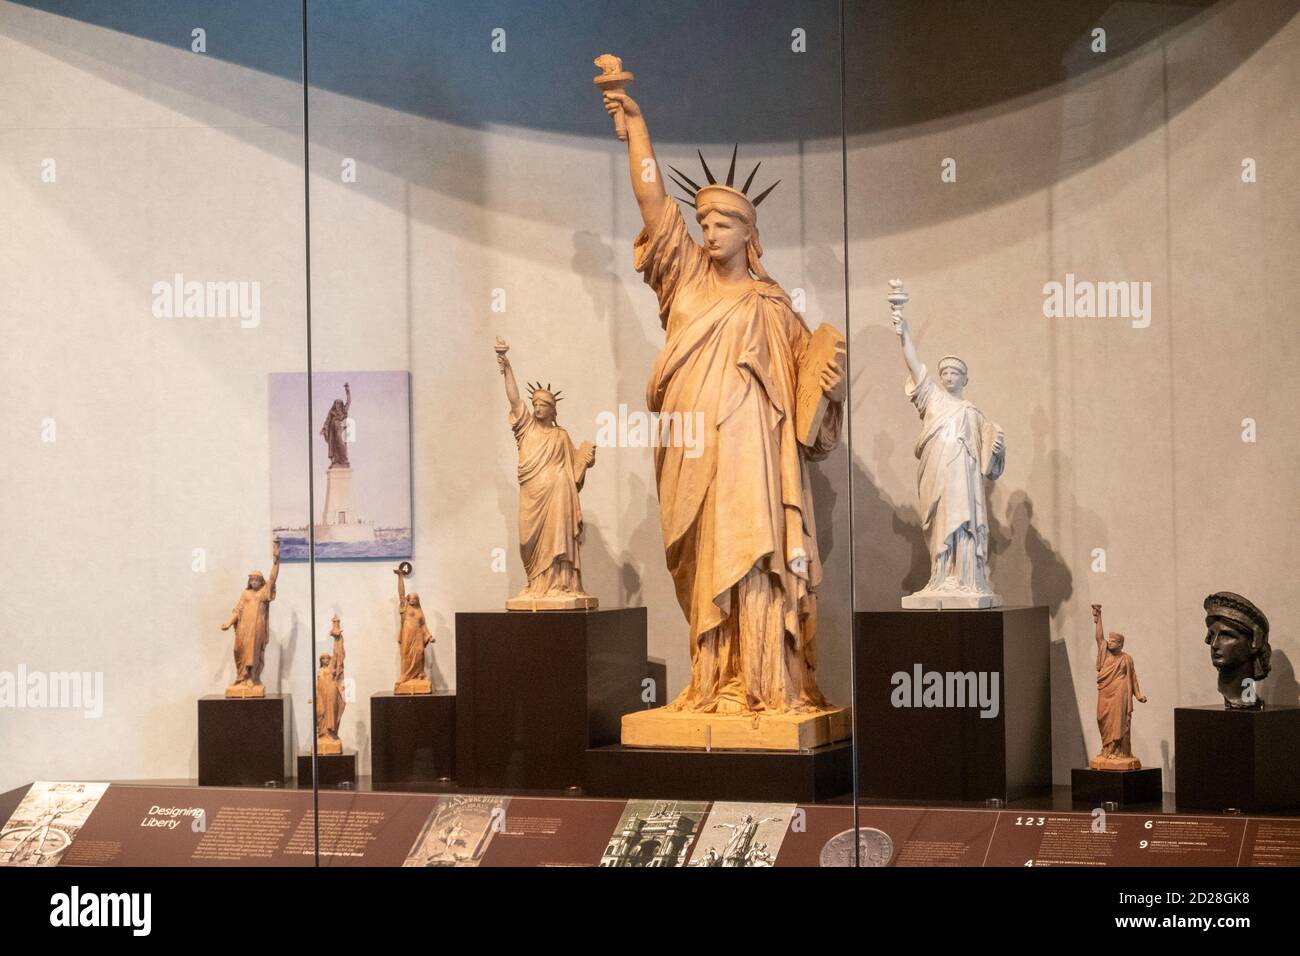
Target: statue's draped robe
{"x": 410, "y": 643}
{"x": 252, "y": 613}
{"x": 1115, "y": 703}
{"x": 737, "y": 509}
{"x": 336, "y": 436}
{"x": 956, "y": 454}
{"x": 329, "y": 702}
{"x": 550, "y": 517}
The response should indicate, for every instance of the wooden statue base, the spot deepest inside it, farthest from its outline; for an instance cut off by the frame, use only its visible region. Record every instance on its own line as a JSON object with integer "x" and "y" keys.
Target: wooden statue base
{"x": 661, "y": 727}
{"x": 557, "y": 602}
{"x": 327, "y": 747}
{"x": 413, "y": 687}
{"x": 1114, "y": 763}
{"x": 246, "y": 690}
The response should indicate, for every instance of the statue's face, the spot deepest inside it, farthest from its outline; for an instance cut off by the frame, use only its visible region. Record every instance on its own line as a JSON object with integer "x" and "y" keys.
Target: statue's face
{"x": 1115, "y": 642}
{"x": 1230, "y": 645}
{"x": 255, "y": 580}
{"x": 413, "y": 600}
{"x": 724, "y": 236}
{"x": 543, "y": 410}
{"x": 324, "y": 660}
{"x": 952, "y": 379}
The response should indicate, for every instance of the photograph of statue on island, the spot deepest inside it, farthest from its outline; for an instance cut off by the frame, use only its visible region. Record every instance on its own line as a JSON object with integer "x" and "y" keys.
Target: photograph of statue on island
{"x": 44, "y": 824}
{"x": 360, "y": 467}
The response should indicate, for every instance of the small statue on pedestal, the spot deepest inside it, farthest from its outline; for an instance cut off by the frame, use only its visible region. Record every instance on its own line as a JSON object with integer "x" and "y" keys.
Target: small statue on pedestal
{"x": 412, "y": 638}
{"x": 958, "y": 448}
{"x": 250, "y": 619}
{"x": 551, "y": 473}
{"x": 1237, "y": 633}
{"x": 1117, "y": 685}
{"x": 329, "y": 695}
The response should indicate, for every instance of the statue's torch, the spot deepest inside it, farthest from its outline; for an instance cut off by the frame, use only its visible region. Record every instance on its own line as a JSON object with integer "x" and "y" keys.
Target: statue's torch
{"x": 897, "y": 299}
{"x": 613, "y": 79}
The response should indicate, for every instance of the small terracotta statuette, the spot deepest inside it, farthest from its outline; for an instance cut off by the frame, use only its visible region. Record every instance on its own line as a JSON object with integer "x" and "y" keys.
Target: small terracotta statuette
{"x": 329, "y": 695}
{"x": 957, "y": 450}
{"x": 1117, "y": 685}
{"x": 1237, "y": 632}
{"x": 413, "y": 637}
{"x": 736, "y": 507}
{"x": 250, "y": 619}
{"x": 551, "y": 473}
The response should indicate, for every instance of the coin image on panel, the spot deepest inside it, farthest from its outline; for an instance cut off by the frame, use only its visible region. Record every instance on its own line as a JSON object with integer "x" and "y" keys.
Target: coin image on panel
{"x": 875, "y": 848}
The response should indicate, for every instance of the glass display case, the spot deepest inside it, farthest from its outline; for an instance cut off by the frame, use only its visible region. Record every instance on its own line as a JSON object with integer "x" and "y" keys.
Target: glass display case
{"x": 647, "y": 435}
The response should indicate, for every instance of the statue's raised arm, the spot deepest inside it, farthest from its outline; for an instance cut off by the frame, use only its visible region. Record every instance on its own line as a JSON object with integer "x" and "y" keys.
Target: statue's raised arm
{"x": 647, "y": 181}
{"x": 508, "y": 373}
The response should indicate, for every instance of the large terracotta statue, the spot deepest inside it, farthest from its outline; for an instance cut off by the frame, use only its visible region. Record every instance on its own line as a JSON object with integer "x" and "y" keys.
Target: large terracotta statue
{"x": 329, "y": 695}
{"x": 551, "y": 473}
{"x": 1237, "y": 633}
{"x": 1117, "y": 686}
{"x": 413, "y": 637}
{"x": 958, "y": 449}
{"x": 739, "y": 533}
{"x": 249, "y": 619}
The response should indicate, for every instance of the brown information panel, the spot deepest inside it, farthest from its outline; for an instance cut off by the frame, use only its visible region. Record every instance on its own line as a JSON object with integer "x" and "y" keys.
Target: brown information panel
{"x": 1271, "y": 841}
{"x": 535, "y": 832}
{"x": 192, "y": 826}
{"x": 80, "y": 824}
{"x": 1115, "y": 839}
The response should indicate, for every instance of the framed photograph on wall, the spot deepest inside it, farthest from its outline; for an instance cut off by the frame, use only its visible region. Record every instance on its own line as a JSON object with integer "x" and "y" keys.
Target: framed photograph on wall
{"x": 360, "y": 464}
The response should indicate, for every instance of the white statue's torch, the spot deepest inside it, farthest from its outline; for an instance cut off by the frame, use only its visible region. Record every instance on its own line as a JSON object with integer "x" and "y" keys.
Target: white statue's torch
{"x": 897, "y": 299}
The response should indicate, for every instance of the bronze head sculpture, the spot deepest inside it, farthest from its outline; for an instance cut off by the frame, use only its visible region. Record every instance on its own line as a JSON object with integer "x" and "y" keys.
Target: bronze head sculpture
{"x": 1237, "y": 633}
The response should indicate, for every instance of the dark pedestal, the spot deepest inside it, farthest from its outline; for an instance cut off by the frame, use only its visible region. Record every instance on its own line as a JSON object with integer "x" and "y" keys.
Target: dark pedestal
{"x": 1127, "y": 788}
{"x": 1237, "y": 758}
{"x": 952, "y": 752}
{"x": 243, "y": 742}
{"x": 535, "y": 689}
{"x": 336, "y": 770}
{"x": 797, "y": 776}
{"x": 412, "y": 739}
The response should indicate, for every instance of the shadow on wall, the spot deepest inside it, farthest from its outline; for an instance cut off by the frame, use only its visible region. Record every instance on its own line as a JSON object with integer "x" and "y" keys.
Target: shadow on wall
{"x": 433, "y": 62}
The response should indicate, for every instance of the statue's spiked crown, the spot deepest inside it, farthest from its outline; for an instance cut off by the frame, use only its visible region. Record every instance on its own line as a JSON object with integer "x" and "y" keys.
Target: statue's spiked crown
{"x": 536, "y": 388}
{"x": 714, "y": 191}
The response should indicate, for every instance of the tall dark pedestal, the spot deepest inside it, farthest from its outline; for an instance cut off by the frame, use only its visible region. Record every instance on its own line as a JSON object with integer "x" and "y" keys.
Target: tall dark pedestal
{"x": 940, "y": 746}
{"x": 535, "y": 689}
{"x": 412, "y": 740}
{"x": 244, "y": 742}
{"x": 1243, "y": 759}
